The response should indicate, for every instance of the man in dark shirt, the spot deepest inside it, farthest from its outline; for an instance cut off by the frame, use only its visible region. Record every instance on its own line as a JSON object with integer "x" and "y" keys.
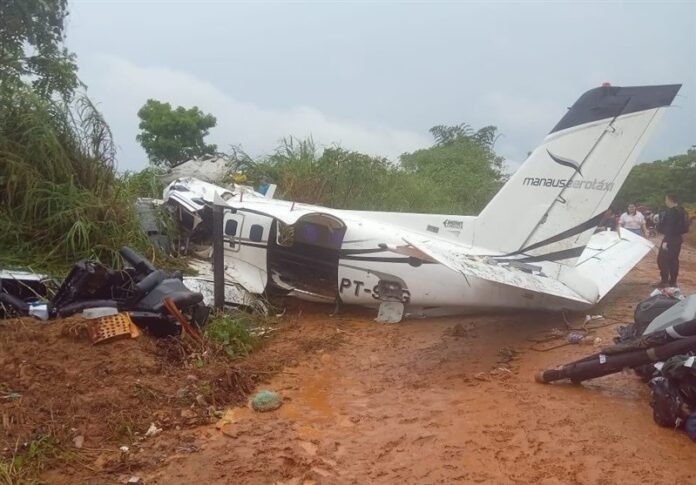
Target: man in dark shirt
{"x": 672, "y": 226}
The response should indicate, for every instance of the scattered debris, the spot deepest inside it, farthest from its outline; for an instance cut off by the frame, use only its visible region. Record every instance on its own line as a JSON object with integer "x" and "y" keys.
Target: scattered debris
{"x": 660, "y": 346}
{"x": 112, "y": 327}
{"x": 266, "y": 401}
{"x": 141, "y": 290}
{"x": 23, "y": 292}
{"x": 579, "y": 338}
{"x": 673, "y": 394}
{"x": 153, "y": 430}
{"x": 207, "y": 169}
{"x": 78, "y": 441}
{"x": 390, "y": 312}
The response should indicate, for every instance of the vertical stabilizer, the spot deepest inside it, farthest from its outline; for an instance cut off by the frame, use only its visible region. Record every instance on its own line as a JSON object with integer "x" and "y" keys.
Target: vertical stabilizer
{"x": 550, "y": 207}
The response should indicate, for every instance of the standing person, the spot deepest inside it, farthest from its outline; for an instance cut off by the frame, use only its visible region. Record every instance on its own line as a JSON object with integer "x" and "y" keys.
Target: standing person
{"x": 608, "y": 222}
{"x": 674, "y": 222}
{"x": 634, "y": 221}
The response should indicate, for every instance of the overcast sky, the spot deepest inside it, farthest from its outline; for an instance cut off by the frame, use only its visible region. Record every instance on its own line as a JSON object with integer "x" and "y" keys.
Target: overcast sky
{"x": 375, "y": 77}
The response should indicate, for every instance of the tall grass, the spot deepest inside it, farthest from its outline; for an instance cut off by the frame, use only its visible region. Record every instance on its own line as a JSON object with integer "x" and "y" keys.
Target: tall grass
{"x": 146, "y": 183}
{"x": 60, "y": 197}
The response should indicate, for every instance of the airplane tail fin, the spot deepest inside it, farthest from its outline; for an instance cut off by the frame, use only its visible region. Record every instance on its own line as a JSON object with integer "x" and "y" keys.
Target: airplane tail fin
{"x": 550, "y": 207}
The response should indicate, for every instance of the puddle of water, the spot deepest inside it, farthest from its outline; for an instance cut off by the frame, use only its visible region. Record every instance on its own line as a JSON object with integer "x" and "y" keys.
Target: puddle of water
{"x": 311, "y": 403}
{"x": 315, "y": 395}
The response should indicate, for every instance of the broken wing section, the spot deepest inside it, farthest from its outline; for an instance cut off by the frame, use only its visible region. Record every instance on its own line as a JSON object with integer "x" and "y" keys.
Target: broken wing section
{"x": 510, "y": 273}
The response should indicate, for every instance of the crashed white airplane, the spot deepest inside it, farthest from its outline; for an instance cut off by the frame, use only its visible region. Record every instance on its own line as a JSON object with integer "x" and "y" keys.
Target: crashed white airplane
{"x": 534, "y": 245}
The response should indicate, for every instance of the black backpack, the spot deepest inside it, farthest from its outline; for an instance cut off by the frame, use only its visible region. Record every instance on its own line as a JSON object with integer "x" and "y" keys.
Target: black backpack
{"x": 666, "y": 402}
{"x": 686, "y": 220}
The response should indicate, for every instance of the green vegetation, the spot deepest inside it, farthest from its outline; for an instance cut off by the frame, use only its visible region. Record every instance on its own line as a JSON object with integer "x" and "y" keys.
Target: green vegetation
{"x": 60, "y": 198}
{"x": 171, "y": 136}
{"x": 232, "y": 332}
{"x": 28, "y": 462}
{"x": 649, "y": 182}
{"x": 145, "y": 183}
{"x": 31, "y": 37}
{"x": 458, "y": 174}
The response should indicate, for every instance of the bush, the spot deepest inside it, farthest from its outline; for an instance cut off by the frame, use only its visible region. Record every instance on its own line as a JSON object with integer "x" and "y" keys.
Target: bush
{"x": 232, "y": 332}
{"x": 60, "y": 197}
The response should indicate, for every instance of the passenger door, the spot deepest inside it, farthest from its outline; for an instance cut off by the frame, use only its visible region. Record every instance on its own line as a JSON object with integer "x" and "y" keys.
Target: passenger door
{"x": 246, "y": 246}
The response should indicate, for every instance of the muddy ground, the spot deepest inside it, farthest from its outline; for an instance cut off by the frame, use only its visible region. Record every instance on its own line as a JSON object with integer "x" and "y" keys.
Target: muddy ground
{"x": 428, "y": 401}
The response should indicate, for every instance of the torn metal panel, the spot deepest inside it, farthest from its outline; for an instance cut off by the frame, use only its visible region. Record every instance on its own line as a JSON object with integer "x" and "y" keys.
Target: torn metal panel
{"x": 235, "y": 295}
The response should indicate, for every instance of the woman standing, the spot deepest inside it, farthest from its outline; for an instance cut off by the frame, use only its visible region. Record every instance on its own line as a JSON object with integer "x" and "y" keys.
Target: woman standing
{"x": 633, "y": 221}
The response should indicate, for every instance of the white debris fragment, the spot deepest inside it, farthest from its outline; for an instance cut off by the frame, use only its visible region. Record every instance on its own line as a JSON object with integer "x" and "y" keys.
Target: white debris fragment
{"x": 152, "y": 431}
{"x": 78, "y": 441}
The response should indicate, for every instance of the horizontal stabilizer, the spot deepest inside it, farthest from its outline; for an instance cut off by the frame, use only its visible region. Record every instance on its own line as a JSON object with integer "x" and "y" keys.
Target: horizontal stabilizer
{"x": 524, "y": 276}
{"x": 607, "y": 258}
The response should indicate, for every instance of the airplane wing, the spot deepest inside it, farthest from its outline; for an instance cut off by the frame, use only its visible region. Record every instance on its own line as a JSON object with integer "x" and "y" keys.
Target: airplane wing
{"x": 523, "y": 276}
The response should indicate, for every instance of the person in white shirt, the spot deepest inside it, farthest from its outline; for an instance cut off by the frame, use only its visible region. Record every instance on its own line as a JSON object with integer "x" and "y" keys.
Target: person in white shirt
{"x": 633, "y": 221}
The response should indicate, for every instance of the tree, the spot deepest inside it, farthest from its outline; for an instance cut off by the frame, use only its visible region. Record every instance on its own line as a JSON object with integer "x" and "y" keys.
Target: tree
{"x": 648, "y": 183}
{"x": 171, "y": 136}
{"x": 31, "y": 47}
{"x": 462, "y": 163}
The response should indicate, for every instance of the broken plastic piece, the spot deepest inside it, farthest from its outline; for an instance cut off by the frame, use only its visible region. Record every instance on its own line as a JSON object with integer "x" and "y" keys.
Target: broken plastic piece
{"x": 390, "y": 312}
{"x": 112, "y": 327}
{"x": 39, "y": 310}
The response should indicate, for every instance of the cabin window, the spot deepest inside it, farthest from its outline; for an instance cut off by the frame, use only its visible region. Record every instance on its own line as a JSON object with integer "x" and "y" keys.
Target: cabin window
{"x": 256, "y": 233}
{"x": 231, "y": 227}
